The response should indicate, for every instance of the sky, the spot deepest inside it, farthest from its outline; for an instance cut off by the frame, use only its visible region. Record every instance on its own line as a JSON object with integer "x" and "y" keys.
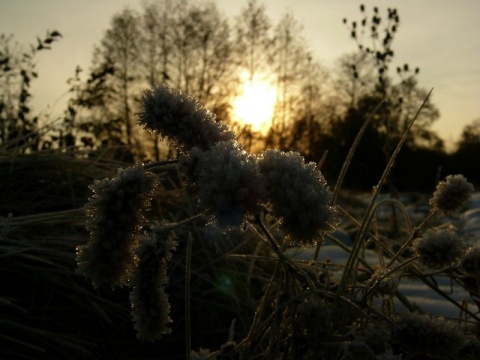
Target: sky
{"x": 439, "y": 36}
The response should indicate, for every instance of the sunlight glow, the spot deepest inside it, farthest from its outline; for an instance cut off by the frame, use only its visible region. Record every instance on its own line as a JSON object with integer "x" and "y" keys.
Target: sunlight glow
{"x": 255, "y": 104}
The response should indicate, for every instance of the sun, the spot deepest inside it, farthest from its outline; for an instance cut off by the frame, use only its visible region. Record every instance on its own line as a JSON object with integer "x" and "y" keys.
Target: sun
{"x": 255, "y": 104}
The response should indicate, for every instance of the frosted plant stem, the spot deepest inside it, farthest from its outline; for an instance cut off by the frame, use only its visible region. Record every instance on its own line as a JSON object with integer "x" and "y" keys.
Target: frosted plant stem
{"x": 414, "y": 270}
{"x": 398, "y": 267}
{"x": 281, "y": 256}
{"x": 260, "y": 308}
{"x": 371, "y": 234}
{"x": 435, "y": 288}
{"x": 317, "y": 248}
{"x": 344, "y": 247}
{"x": 188, "y": 220}
{"x": 322, "y": 160}
{"x": 43, "y": 218}
{"x": 188, "y": 270}
{"x": 156, "y": 164}
{"x": 402, "y": 208}
{"x": 351, "y": 152}
{"x": 411, "y": 238}
{"x": 370, "y": 210}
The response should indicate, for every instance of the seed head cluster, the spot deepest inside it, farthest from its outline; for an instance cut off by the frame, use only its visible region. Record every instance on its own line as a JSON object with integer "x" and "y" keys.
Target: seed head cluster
{"x": 150, "y": 305}
{"x": 299, "y": 195}
{"x": 182, "y": 119}
{"x": 114, "y": 221}
{"x": 439, "y": 247}
{"x": 228, "y": 180}
{"x": 452, "y": 194}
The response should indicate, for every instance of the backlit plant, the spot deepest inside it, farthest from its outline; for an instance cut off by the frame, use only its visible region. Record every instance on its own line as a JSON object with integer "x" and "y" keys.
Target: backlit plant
{"x": 306, "y": 309}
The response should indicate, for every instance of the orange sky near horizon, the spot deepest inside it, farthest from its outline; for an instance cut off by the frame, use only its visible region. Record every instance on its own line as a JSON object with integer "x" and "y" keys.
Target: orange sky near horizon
{"x": 440, "y": 37}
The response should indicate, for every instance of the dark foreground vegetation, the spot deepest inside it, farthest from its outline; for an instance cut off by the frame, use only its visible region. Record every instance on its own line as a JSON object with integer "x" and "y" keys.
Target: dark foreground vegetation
{"x": 221, "y": 272}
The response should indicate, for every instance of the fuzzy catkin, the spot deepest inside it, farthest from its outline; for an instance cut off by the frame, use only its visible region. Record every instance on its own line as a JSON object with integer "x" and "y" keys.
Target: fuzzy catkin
{"x": 452, "y": 194}
{"x": 114, "y": 220}
{"x": 299, "y": 195}
{"x": 150, "y": 305}
{"x": 182, "y": 119}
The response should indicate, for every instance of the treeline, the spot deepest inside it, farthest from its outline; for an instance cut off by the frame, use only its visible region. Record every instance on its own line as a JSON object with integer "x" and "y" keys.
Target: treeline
{"x": 193, "y": 47}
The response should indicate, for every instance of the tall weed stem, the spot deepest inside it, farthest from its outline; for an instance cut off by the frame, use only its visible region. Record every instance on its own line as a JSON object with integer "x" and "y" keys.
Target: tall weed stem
{"x": 188, "y": 272}
{"x": 351, "y": 152}
{"x": 370, "y": 211}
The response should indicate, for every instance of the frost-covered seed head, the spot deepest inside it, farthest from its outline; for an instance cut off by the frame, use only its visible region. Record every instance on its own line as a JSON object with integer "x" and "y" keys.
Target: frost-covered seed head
{"x": 471, "y": 261}
{"x": 150, "y": 305}
{"x": 299, "y": 195}
{"x": 452, "y": 194}
{"x": 114, "y": 220}
{"x": 439, "y": 247}
{"x": 228, "y": 181}
{"x": 434, "y": 337}
{"x": 182, "y": 119}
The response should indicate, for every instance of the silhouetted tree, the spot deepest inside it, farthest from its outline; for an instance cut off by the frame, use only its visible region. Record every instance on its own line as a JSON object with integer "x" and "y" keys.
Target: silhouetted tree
{"x": 353, "y": 78}
{"x": 295, "y": 74}
{"x": 402, "y": 99}
{"x": 203, "y": 56}
{"x": 121, "y": 45}
{"x": 19, "y": 129}
{"x": 362, "y": 83}
{"x": 253, "y": 39}
{"x": 157, "y": 42}
{"x": 465, "y": 158}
